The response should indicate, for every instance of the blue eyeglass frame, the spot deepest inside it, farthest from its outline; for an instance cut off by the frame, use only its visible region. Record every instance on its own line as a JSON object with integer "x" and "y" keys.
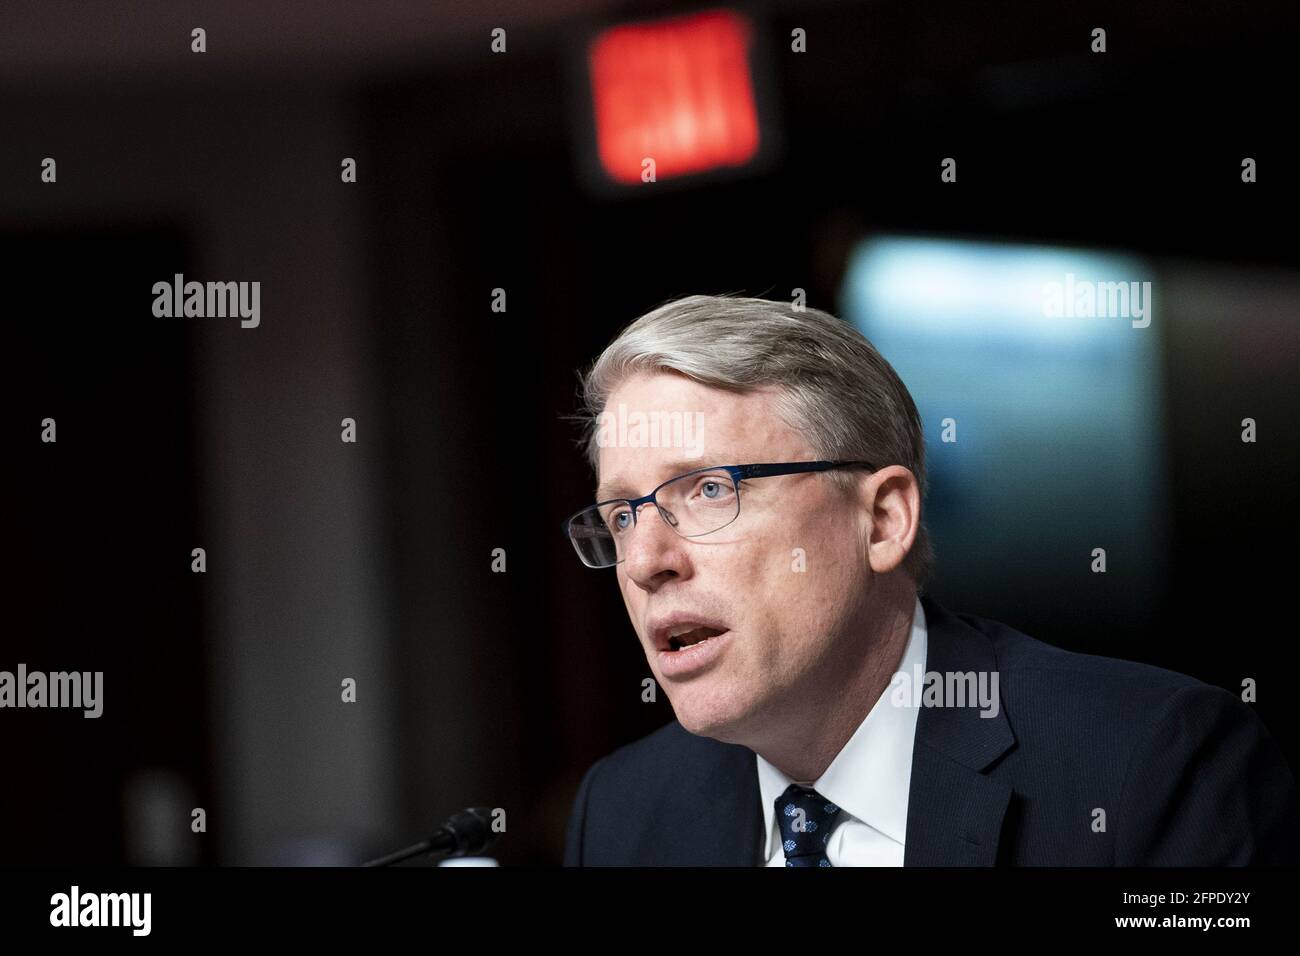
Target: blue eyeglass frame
{"x": 738, "y": 474}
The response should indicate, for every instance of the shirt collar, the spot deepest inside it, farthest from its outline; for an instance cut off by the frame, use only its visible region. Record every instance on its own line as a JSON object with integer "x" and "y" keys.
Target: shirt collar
{"x": 870, "y": 778}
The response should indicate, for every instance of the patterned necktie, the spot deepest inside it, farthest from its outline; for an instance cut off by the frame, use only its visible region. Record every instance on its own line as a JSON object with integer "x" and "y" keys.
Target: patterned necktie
{"x": 806, "y": 819}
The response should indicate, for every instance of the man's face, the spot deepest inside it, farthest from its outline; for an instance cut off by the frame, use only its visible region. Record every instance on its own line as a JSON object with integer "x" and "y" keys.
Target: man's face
{"x": 786, "y": 582}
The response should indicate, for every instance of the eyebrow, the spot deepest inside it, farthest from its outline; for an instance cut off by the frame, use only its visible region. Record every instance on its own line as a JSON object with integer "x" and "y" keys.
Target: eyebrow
{"x": 617, "y": 488}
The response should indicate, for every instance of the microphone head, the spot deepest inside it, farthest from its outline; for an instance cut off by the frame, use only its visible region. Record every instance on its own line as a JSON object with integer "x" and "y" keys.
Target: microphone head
{"x": 471, "y": 830}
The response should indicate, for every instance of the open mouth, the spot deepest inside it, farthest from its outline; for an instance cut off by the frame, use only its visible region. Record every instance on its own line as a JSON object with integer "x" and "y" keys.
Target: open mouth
{"x": 697, "y": 635}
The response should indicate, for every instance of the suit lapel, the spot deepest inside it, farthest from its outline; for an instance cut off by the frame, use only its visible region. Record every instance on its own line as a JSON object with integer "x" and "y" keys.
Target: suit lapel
{"x": 955, "y": 812}
{"x": 725, "y": 808}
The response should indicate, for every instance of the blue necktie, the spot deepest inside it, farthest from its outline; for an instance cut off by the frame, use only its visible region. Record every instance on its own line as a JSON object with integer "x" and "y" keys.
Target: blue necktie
{"x": 806, "y": 818}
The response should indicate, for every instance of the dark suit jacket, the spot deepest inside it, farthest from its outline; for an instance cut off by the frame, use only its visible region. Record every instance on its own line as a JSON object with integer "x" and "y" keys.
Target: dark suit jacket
{"x": 1186, "y": 773}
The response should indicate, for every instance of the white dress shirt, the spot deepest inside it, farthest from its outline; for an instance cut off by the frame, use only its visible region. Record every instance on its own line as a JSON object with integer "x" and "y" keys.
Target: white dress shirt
{"x": 869, "y": 779}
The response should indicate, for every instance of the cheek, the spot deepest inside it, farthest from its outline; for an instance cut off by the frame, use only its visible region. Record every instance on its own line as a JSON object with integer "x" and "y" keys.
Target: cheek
{"x": 771, "y": 596}
{"x": 633, "y": 597}
{"x": 799, "y": 600}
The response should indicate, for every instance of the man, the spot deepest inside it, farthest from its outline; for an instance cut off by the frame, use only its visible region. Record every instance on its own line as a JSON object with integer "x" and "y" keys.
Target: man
{"x": 761, "y": 476}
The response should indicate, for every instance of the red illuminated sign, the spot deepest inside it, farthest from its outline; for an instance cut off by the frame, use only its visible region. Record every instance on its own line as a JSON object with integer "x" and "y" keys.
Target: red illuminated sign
{"x": 679, "y": 92}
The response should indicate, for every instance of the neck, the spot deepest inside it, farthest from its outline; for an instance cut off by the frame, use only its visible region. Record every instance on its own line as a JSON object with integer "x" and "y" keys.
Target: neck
{"x": 841, "y": 692}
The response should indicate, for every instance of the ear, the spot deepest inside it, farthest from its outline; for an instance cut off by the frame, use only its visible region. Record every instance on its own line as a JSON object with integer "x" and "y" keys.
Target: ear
{"x": 891, "y": 504}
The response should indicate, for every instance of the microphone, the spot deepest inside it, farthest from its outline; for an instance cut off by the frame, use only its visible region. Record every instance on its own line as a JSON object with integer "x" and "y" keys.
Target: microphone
{"x": 466, "y": 833}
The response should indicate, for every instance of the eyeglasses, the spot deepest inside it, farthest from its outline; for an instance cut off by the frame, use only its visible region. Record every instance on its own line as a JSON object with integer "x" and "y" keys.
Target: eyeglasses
{"x": 697, "y": 503}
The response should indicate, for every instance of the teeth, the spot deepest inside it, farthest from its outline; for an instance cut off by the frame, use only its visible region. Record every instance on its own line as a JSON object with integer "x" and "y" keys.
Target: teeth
{"x": 674, "y": 636}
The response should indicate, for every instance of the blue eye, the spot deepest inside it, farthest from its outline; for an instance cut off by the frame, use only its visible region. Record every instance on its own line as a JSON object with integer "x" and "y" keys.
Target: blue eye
{"x": 714, "y": 489}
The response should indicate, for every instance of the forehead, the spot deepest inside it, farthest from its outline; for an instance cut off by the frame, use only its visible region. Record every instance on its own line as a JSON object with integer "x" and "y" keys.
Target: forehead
{"x": 659, "y": 424}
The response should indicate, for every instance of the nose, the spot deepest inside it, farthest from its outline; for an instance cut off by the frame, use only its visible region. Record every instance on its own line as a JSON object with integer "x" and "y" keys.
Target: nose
{"x": 654, "y": 552}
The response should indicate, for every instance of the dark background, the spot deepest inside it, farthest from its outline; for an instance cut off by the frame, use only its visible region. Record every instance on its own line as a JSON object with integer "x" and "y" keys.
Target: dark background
{"x": 373, "y": 560}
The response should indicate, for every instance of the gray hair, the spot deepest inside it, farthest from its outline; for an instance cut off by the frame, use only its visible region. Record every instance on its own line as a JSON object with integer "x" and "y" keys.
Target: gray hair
{"x": 833, "y": 386}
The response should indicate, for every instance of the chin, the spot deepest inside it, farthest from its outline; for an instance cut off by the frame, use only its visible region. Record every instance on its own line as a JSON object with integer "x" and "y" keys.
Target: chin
{"x": 718, "y": 717}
